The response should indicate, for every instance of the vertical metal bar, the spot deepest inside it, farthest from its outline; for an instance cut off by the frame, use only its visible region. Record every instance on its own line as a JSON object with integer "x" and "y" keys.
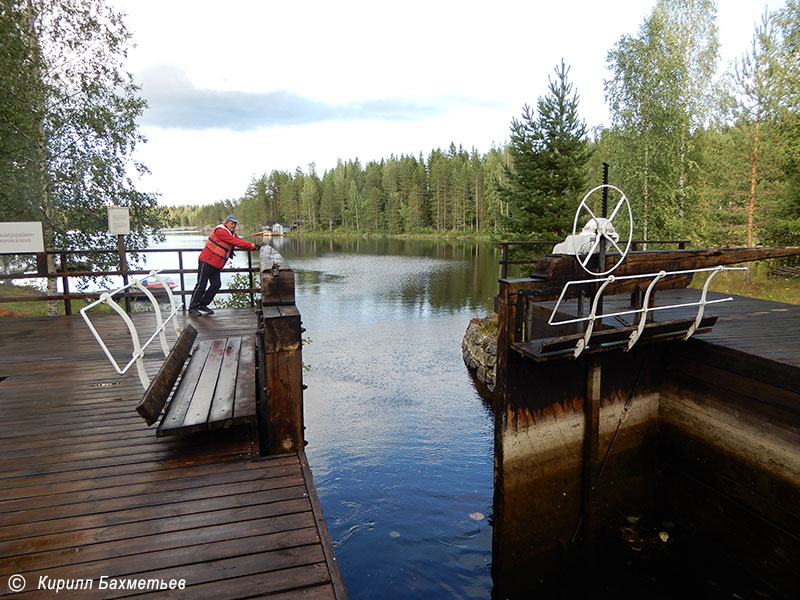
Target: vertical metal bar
{"x": 183, "y": 283}
{"x": 250, "y": 275}
{"x": 601, "y": 251}
{"x": 123, "y": 267}
{"x": 65, "y": 284}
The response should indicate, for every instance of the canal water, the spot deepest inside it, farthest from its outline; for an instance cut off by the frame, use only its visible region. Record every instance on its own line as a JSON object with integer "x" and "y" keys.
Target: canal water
{"x": 399, "y": 440}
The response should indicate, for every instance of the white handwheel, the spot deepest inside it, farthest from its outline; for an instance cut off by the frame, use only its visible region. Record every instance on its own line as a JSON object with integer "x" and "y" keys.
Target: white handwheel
{"x": 603, "y": 229}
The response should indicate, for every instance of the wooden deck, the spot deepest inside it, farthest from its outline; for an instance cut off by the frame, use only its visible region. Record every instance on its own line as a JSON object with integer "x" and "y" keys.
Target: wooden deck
{"x": 763, "y": 331}
{"x": 88, "y": 491}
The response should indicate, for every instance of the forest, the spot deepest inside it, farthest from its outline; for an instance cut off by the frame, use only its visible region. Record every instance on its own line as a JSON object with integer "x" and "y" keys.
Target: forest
{"x": 712, "y": 159}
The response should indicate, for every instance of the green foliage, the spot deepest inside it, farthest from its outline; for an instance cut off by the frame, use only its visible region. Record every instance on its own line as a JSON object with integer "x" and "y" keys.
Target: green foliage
{"x": 19, "y": 90}
{"x": 68, "y": 125}
{"x": 658, "y": 95}
{"x": 680, "y": 145}
{"x": 240, "y": 281}
{"x": 549, "y": 151}
{"x": 450, "y": 192}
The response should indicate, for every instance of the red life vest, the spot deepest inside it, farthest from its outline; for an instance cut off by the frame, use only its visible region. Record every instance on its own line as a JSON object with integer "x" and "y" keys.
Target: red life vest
{"x": 217, "y": 246}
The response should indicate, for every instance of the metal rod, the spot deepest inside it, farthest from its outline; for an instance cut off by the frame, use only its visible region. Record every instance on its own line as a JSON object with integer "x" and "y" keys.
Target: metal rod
{"x": 601, "y": 251}
{"x": 183, "y": 282}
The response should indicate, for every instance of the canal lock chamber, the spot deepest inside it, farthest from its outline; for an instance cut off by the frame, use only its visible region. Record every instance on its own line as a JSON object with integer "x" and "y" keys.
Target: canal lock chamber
{"x": 669, "y": 469}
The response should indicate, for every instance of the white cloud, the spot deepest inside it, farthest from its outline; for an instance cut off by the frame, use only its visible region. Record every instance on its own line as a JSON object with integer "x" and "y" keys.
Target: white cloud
{"x": 244, "y": 87}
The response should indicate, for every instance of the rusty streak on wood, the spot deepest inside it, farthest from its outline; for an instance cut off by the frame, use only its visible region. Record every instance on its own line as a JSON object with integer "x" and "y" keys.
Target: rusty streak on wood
{"x": 591, "y": 450}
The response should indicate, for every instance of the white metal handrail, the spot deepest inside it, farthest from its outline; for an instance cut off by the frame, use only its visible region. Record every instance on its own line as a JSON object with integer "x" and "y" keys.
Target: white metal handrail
{"x": 656, "y": 277}
{"x": 138, "y": 348}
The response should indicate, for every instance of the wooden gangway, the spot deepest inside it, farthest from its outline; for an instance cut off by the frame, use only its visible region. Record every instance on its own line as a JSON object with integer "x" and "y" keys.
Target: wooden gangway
{"x": 88, "y": 491}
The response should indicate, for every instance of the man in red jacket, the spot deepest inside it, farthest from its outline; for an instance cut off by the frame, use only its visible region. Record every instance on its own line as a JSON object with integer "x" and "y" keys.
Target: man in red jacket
{"x": 219, "y": 248}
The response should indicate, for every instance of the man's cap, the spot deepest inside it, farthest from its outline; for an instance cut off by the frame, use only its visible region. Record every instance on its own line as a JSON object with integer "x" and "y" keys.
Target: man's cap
{"x": 232, "y": 219}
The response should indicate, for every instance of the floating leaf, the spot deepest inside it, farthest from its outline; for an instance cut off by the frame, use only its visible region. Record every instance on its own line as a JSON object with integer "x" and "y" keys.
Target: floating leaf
{"x": 663, "y": 535}
{"x": 394, "y": 534}
{"x": 668, "y": 524}
{"x": 633, "y": 520}
{"x": 477, "y": 516}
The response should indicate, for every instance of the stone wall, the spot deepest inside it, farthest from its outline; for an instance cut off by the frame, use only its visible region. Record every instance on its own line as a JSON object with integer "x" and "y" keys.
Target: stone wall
{"x": 479, "y": 349}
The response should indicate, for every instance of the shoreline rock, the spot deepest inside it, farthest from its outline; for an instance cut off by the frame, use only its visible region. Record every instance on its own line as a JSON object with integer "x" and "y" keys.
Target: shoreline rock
{"x": 479, "y": 350}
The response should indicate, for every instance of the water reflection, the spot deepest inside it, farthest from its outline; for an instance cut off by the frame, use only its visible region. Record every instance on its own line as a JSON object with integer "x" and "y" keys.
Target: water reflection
{"x": 400, "y": 442}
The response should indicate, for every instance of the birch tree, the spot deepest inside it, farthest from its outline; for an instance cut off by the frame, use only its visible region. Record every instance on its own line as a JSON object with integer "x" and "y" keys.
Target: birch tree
{"x": 658, "y": 94}
{"x": 84, "y": 105}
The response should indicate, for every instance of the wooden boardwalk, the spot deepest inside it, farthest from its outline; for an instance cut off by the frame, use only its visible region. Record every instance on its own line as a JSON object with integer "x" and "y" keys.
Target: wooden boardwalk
{"x": 760, "y": 330}
{"x": 90, "y": 496}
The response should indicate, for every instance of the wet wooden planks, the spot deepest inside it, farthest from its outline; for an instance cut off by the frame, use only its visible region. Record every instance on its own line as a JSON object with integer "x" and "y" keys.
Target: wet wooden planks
{"x": 88, "y": 491}
{"x": 218, "y": 388}
{"x": 757, "y": 329}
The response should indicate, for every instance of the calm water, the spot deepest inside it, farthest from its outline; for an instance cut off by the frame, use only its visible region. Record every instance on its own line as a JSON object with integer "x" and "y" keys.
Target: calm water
{"x": 400, "y": 442}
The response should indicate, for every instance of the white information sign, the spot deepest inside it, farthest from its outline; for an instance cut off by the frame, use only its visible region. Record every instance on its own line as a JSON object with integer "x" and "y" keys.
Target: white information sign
{"x": 119, "y": 220}
{"x": 18, "y": 238}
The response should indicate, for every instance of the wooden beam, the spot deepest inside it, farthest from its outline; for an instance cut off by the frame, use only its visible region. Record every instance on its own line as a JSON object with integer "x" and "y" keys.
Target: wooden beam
{"x": 552, "y": 272}
{"x": 284, "y": 376}
{"x": 158, "y": 391}
{"x": 277, "y": 279}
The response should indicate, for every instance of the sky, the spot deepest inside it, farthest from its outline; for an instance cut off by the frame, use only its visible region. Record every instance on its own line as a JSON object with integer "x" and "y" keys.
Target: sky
{"x": 239, "y": 88}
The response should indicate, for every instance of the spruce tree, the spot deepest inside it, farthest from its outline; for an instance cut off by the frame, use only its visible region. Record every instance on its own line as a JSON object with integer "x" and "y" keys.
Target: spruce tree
{"x": 549, "y": 149}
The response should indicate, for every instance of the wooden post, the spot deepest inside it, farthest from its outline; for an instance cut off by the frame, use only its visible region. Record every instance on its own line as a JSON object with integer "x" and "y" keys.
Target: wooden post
{"x": 123, "y": 267}
{"x": 65, "y": 285}
{"x": 283, "y": 356}
{"x": 41, "y": 263}
{"x": 591, "y": 450}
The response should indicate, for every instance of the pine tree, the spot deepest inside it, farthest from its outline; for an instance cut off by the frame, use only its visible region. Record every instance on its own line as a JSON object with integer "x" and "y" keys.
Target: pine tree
{"x": 548, "y": 153}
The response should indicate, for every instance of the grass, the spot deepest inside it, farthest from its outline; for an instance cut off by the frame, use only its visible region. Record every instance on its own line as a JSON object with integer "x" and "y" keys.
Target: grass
{"x": 35, "y": 307}
{"x": 761, "y": 286}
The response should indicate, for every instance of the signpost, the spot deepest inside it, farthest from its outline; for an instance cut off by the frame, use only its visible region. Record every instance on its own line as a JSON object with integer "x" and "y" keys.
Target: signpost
{"x": 21, "y": 238}
{"x": 119, "y": 224}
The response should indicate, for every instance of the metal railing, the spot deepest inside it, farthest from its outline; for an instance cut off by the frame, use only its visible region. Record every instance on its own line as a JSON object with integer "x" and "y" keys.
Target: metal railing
{"x": 138, "y": 348}
{"x": 65, "y": 271}
{"x": 593, "y": 316}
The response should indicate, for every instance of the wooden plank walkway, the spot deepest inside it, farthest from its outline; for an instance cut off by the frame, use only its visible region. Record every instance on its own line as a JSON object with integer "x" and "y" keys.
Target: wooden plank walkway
{"x": 758, "y": 328}
{"x": 87, "y": 490}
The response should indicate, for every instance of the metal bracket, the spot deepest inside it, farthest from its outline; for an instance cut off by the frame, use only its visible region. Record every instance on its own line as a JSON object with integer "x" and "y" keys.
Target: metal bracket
{"x": 583, "y": 343}
{"x": 645, "y": 303}
{"x": 138, "y": 348}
